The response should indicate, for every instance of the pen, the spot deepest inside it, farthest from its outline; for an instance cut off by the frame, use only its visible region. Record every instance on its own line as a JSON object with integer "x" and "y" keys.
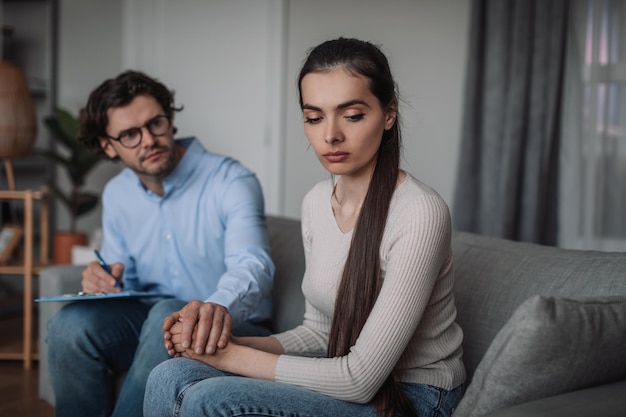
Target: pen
{"x": 106, "y": 267}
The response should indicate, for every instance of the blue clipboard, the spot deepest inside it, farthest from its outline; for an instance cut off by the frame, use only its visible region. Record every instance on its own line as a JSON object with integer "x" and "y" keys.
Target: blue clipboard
{"x": 86, "y": 296}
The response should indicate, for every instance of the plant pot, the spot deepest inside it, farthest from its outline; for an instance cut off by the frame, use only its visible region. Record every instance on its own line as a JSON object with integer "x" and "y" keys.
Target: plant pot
{"x": 63, "y": 243}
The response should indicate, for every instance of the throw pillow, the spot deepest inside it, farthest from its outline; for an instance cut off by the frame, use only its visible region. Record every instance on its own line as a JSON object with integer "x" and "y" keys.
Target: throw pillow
{"x": 549, "y": 346}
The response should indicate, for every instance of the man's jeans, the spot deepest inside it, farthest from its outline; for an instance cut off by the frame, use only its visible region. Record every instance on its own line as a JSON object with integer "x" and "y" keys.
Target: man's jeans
{"x": 185, "y": 387}
{"x": 91, "y": 341}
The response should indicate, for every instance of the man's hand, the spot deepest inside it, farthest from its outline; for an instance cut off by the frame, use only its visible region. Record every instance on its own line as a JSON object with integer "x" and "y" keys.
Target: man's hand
{"x": 96, "y": 279}
{"x": 204, "y": 327}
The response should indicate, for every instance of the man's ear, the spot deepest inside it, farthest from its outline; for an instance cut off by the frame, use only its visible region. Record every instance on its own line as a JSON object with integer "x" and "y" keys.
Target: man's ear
{"x": 392, "y": 114}
{"x": 107, "y": 148}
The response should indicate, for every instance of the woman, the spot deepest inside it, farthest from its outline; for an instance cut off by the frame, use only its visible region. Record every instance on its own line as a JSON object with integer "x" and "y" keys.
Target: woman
{"x": 379, "y": 336}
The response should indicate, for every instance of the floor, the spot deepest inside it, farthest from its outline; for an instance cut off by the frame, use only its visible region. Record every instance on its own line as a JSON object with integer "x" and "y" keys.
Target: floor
{"x": 18, "y": 387}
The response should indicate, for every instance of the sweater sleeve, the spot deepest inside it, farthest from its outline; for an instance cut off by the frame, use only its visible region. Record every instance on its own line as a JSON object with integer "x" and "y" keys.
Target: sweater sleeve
{"x": 414, "y": 250}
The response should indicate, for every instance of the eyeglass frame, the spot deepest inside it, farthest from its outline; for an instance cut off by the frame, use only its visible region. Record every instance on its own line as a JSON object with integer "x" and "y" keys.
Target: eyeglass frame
{"x": 140, "y": 130}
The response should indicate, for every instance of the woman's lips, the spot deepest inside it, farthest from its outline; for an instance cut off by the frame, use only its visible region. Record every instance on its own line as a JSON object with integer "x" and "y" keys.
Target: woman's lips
{"x": 336, "y": 156}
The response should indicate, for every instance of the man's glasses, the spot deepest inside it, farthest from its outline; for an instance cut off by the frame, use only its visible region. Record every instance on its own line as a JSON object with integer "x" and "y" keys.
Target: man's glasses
{"x": 131, "y": 138}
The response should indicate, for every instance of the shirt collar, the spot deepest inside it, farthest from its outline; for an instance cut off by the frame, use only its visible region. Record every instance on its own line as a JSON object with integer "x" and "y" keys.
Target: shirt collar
{"x": 184, "y": 169}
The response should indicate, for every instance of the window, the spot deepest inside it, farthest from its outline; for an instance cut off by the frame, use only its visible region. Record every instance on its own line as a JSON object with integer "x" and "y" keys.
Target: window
{"x": 593, "y": 163}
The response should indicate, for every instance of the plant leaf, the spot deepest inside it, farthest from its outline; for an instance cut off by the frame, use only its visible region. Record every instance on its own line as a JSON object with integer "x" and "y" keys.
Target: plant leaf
{"x": 80, "y": 160}
{"x": 58, "y": 132}
{"x": 84, "y": 202}
{"x": 67, "y": 123}
{"x": 59, "y": 194}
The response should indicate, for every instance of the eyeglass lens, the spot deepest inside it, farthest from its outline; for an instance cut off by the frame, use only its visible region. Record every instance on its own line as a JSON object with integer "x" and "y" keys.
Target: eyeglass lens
{"x": 157, "y": 126}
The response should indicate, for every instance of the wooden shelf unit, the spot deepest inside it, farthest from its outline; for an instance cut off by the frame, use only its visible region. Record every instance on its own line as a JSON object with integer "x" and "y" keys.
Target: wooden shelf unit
{"x": 28, "y": 267}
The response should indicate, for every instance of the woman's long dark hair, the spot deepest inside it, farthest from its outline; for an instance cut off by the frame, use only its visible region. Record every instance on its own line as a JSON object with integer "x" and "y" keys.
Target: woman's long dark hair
{"x": 361, "y": 280}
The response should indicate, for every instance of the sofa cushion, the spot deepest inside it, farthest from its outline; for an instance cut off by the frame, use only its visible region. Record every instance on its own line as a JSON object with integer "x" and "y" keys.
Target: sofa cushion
{"x": 550, "y": 346}
{"x": 494, "y": 276}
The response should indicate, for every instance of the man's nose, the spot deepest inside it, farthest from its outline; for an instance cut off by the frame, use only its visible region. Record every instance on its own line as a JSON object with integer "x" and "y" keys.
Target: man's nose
{"x": 148, "y": 139}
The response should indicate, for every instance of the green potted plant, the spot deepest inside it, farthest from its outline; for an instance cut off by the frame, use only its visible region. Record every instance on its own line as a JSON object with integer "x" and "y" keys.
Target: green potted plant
{"x": 77, "y": 161}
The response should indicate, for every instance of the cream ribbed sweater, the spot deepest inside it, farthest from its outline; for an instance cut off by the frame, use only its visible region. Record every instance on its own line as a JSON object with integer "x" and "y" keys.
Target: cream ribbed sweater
{"x": 412, "y": 325}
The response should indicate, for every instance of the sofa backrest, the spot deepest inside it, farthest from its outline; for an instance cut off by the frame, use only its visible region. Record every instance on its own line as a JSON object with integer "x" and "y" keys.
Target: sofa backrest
{"x": 287, "y": 253}
{"x": 494, "y": 276}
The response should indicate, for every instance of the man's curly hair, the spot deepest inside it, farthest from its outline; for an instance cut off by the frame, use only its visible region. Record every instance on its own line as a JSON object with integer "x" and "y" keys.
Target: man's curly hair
{"x": 118, "y": 92}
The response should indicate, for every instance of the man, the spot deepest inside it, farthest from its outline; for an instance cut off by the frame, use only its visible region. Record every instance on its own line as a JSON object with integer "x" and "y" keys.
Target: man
{"x": 177, "y": 220}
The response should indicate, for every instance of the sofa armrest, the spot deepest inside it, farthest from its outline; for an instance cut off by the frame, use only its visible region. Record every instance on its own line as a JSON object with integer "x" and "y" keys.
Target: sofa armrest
{"x": 53, "y": 280}
{"x": 603, "y": 400}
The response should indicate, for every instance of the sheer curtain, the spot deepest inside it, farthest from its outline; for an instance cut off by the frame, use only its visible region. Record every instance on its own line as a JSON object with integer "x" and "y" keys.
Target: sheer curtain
{"x": 592, "y": 211}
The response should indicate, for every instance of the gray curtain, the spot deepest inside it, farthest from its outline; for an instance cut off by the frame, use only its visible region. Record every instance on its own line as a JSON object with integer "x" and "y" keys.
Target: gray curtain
{"x": 508, "y": 166}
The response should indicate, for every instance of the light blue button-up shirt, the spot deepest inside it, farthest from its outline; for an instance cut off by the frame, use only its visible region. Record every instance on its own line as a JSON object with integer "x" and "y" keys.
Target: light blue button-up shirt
{"x": 205, "y": 238}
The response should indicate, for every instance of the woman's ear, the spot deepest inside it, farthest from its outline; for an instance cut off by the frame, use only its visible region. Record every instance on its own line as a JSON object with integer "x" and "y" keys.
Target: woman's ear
{"x": 391, "y": 114}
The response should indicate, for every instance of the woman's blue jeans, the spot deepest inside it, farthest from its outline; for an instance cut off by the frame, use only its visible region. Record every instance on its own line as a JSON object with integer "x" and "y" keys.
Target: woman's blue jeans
{"x": 189, "y": 388}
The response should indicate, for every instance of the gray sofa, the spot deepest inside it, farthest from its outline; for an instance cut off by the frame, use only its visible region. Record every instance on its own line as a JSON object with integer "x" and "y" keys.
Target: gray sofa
{"x": 545, "y": 328}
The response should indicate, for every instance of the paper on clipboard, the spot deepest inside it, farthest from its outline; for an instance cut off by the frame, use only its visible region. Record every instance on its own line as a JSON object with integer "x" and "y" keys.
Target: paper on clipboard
{"x": 86, "y": 296}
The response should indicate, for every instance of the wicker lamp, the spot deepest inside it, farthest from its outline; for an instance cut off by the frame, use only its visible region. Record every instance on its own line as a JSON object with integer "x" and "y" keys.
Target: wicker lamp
{"x": 18, "y": 120}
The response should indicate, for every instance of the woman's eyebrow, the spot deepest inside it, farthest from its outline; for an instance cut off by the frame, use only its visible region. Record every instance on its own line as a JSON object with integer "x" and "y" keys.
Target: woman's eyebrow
{"x": 339, "y": 106}
{"x": 352, "y": 103}
{"x": 310, "y": 107}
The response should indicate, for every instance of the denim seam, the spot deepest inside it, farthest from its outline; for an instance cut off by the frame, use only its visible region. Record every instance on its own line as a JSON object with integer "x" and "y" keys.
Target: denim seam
{"x": 179, "y": 399}
{"x": 263, "y": 413}
{"x": 437, "y": 409}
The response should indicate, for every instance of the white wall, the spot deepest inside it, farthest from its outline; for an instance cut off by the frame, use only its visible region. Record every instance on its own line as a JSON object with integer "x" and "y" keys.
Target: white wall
{"x": 234, "y": 65}
{"x": 90, "y": 40}
{"x": 223, "y": 61}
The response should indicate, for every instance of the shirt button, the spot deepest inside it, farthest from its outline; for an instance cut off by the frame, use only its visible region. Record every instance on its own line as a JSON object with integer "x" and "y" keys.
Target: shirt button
{"x": 168, "y": 237}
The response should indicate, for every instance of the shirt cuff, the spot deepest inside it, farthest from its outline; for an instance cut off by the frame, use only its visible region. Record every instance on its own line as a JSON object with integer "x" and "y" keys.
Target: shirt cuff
{"x": 232, "y": 304}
